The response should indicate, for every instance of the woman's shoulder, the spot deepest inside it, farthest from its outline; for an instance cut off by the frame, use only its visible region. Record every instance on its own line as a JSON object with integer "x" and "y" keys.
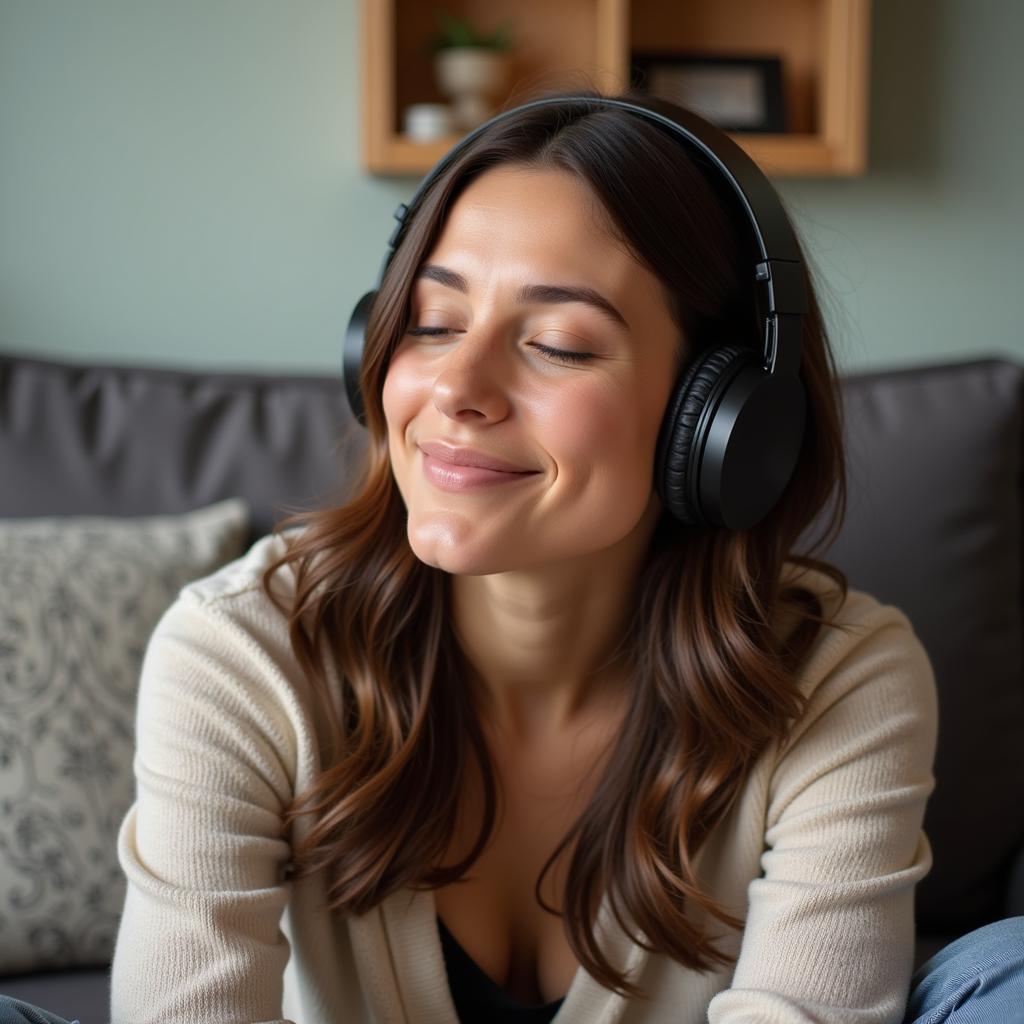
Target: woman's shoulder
{"x": 224, "y": 636}
{"x": 867, "y": 643}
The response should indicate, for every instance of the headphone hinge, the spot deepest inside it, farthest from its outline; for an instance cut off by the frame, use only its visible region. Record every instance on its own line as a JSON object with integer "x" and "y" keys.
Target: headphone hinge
{"x": 780, "y": 287}
{"x": 400, "y": 211}
{"x": 781, "y": 303}
{"x": 782, "y": 346}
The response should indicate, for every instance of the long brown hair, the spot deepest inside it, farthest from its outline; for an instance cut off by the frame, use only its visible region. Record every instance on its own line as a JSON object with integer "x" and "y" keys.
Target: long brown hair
{"x": 714, "y": 684}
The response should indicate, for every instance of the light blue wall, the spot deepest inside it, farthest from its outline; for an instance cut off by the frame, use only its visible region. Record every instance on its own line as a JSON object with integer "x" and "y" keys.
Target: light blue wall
{"x": 179, "y": 185}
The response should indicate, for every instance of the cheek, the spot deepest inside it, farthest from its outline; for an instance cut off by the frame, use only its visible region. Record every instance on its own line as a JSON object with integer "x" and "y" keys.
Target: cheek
{"x": 402, "y": 391}
{"x": 401, "y": 397}
{"x": 600, "y": 428}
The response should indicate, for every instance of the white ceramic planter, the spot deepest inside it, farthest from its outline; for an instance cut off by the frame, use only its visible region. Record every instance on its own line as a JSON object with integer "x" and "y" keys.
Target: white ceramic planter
{"x": 471, "y": 76}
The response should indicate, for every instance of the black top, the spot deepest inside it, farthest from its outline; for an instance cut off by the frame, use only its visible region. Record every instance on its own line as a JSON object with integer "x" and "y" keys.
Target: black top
{"x": 479, "y": 999}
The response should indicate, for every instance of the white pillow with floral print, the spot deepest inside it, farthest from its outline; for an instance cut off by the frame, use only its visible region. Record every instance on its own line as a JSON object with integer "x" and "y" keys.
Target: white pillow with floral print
{"x": 79, "y": 597}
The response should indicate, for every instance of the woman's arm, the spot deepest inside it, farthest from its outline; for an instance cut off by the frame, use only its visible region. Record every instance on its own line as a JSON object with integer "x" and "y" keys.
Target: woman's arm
{"x": 199, "y": 938}
{"x": 830, "y": 926}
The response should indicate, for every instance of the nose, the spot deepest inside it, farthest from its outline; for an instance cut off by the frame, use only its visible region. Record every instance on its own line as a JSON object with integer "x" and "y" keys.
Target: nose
{"x": 472, "y": 382}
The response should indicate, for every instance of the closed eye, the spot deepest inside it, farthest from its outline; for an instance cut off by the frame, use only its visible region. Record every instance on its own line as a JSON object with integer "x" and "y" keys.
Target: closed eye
{"x": 554, "y": 353}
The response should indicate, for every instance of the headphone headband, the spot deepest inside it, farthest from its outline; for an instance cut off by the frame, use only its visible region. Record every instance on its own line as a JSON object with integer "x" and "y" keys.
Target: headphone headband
{"x": 780, "y": 292}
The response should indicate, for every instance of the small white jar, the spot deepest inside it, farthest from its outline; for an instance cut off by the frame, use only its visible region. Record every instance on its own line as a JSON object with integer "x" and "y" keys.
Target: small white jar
{"x": 428, "y": 122}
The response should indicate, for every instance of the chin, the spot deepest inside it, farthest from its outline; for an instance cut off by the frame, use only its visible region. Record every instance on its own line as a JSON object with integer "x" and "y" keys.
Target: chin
{"x": 456, "y": 561}
{"x": 459, "y": 556}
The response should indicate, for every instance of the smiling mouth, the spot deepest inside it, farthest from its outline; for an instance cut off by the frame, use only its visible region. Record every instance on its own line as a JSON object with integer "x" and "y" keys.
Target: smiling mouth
{"x": 452, "y": 477}
{"x": 462, "y": 455}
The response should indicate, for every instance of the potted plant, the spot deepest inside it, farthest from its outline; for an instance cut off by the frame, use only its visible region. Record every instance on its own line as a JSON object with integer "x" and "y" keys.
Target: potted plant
{"x": 471, "y": 68}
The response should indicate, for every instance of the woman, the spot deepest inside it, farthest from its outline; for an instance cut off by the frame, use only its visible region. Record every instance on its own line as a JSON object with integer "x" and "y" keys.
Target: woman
{"x": 499, "y": 737}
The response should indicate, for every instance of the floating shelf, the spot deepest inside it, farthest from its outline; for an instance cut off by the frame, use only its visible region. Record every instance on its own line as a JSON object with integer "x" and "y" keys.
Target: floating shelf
{"x": 823, "y": 45}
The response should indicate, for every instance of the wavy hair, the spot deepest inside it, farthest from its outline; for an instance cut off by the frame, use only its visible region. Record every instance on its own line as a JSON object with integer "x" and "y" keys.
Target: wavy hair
{"x": 713, "y": 682}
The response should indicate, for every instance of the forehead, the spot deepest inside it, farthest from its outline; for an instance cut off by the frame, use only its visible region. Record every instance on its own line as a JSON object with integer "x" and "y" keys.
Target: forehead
{"x": 527, "y": 191}
{"x": 527, "y": 222}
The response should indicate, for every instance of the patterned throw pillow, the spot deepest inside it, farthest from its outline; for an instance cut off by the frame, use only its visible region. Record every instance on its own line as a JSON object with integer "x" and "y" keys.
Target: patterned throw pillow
{"x": 79, "y": 598}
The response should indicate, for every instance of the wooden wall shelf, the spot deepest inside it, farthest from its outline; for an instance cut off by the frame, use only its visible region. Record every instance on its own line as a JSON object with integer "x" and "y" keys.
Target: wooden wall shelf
{"x": 824, "y": 46}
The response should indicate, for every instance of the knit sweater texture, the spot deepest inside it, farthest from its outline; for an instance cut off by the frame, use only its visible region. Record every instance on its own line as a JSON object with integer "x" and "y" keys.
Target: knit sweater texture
{"x": 819, "y": 853}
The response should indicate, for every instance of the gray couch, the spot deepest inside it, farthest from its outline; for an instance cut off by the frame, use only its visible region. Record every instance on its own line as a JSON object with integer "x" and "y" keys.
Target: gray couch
{"x": 934, "y": 526}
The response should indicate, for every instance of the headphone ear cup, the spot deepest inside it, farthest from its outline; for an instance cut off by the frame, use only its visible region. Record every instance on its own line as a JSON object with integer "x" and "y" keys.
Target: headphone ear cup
{"x": 676, "y": 480}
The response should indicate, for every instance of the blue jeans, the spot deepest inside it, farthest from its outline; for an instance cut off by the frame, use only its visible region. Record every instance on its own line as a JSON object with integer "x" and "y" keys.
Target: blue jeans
{"x": 977, "y": 979}
{"x": 15, "y": 1011}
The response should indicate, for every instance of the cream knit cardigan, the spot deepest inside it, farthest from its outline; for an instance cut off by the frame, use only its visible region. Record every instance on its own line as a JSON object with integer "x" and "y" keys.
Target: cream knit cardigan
{"x": 820, "y": 852}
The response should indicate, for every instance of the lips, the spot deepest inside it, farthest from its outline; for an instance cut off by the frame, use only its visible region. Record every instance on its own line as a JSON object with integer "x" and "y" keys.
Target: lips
{"x": 459, "y": 455}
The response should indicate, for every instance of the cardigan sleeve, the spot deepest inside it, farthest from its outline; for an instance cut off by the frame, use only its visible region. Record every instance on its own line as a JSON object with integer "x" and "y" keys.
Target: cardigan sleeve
{"x": 829, "y": 933}
{"x": 199, "y": 939}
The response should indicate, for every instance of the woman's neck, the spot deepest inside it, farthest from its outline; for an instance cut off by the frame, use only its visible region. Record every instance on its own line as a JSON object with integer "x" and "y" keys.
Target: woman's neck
{"x": 544, "y": 646}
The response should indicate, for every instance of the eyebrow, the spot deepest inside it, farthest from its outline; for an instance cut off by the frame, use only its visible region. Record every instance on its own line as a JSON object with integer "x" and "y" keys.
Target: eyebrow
{"x": 543, "y": 293}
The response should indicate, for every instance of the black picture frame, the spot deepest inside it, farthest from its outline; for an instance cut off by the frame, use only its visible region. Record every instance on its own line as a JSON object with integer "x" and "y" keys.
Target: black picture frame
{"x": 736, "y": 92}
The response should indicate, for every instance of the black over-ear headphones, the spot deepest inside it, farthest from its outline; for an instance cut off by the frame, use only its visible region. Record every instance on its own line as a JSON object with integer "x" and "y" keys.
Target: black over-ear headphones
{"x": 731, "y": 434}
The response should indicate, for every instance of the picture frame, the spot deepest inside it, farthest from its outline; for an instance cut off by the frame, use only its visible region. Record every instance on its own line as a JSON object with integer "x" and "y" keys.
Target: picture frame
{"x": 736, "y": 92}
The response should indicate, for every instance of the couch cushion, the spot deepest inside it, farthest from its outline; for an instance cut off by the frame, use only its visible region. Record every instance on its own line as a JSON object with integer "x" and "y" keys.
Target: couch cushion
{"x": 114, "y": 440}
{"x": 934, "y": 526}
{"x": 79, "y": 598}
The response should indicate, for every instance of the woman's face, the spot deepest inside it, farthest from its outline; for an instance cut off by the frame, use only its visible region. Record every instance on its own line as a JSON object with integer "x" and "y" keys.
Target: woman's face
{"x": 562, "y": 390}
